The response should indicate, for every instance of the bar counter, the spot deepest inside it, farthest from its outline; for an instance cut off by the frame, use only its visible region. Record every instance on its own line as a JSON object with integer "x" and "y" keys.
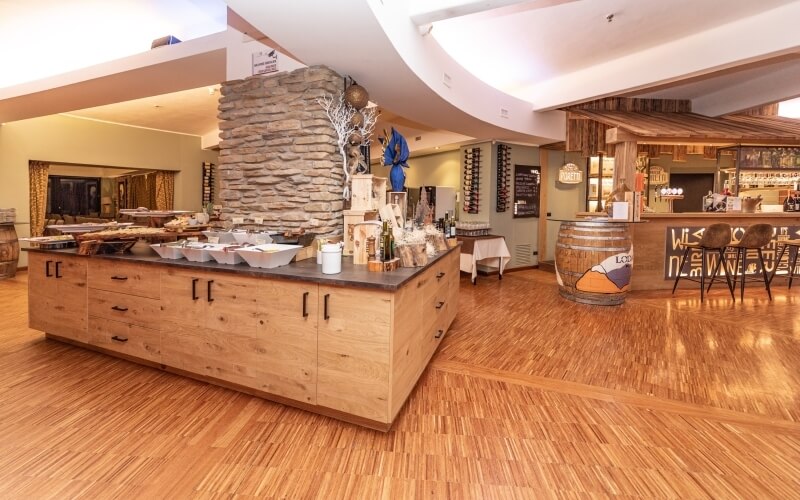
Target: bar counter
{"x": 657, "y": 253}
{"x": 351, "y": 346}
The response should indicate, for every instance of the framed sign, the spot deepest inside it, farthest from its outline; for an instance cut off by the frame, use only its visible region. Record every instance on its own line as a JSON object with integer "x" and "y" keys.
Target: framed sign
{"x": 265, "y": 62}
{"x": 527, "y": 182}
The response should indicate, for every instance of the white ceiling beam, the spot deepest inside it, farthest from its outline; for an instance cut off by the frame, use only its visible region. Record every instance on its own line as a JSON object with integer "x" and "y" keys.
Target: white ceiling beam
{"x": 425, "y": 12}
{"x": 778, "y": 85}
{"x": 759, "y": 37}
{"x": 183, "y": 66}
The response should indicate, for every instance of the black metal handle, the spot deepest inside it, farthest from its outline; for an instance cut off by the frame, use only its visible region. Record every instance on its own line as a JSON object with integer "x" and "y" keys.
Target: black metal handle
{"x": 440, "y": 305}
{"x": 119, "y": 278}
{"x": 118, "y": 308}
{"x": 440, "y": 276}
{"x": 305, "y": 301}
{"x": 194, "y": 288}
{"x": 58, "y": 269}
{"x": 439, "y": 335}
{"x": 119, "y": 339}
{"x": 325, "y": 308}
{"x": 208, "y": 289}
{"x": 47, "y": 268}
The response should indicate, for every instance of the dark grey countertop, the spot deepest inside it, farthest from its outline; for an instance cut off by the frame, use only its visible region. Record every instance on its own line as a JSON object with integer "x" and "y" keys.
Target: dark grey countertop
{"x": 306, "y": 270}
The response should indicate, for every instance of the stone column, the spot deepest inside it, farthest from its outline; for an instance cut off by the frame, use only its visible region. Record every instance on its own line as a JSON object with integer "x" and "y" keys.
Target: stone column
{"x": 278, "y": 156}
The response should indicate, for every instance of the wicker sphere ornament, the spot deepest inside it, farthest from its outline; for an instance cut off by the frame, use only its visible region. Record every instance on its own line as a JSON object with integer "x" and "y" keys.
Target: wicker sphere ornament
{"x": 356, "y": 96}
{"x": 355, "y": 139}
{"x": 357, "y": 120}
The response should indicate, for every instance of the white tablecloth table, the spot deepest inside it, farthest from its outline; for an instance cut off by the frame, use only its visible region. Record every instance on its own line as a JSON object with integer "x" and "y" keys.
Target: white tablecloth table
{"x": 485, "y": 248}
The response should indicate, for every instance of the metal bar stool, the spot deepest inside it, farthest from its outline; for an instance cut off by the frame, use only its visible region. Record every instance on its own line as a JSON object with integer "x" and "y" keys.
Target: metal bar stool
{"x": 783, "y": 245}
{"x": 716, "y": 238}
{"x": 755, "y": 237}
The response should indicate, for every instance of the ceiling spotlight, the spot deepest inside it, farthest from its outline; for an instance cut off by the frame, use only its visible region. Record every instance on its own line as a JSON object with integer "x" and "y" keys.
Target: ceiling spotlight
{"x": 211, "y": 90}
{"x": 610, "y": 17}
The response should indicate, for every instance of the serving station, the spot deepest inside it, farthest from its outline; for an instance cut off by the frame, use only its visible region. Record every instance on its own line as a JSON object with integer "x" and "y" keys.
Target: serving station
{"x": 350, "y": 345}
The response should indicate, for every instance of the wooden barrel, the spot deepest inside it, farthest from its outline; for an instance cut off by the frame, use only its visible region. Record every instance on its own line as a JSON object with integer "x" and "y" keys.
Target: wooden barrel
{"x": 594, "y": 261}
{"x": 9, "y": 251}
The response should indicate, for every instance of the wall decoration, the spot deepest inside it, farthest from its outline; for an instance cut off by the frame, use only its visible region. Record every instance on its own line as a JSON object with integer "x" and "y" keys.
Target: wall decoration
{"x": 472, "y": 178}
{"x": 208, "y": 183}
{"x": 503, "y": 177}
{"x": 570, "y": 174}
{"x": 527, "y": 182}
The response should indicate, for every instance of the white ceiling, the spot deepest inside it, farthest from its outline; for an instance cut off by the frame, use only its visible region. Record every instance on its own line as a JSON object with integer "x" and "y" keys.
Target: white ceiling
{"x": 191, "y": 111}
{"x": 512, "y": 48}
{"x": 540, "y": 54}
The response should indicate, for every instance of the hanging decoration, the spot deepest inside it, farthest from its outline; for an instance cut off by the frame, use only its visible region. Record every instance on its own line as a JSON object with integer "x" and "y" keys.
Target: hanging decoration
{"x": 395, "y": 153}
{"x": 353, "y": 123}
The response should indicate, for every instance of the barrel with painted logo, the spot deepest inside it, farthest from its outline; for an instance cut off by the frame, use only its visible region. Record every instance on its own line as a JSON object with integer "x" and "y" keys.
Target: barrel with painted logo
{"x": 594, "y": 261}
{"x": 9, "y": 251}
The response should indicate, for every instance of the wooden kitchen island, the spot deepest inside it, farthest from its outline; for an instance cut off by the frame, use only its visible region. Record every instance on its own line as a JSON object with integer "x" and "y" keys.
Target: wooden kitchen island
{"x": 351, "y": 345}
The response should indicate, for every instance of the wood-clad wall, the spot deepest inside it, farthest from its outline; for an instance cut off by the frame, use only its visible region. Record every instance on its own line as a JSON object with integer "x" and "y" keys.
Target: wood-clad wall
{"x": 589, "y": 136}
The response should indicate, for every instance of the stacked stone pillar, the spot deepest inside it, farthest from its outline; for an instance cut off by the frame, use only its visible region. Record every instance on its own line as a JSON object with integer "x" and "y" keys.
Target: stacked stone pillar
{"x": 278, "y": 157}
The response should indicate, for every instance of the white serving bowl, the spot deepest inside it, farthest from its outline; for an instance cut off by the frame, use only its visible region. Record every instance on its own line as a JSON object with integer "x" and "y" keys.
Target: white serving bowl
{"x": 226, "y": 254}
{"x": 269, "y": 255}
{"x": 168, "y": 250}
{"x": 225, "y": 237}
{"x": 252, "y": 238}
{"x": 198, "y": 252}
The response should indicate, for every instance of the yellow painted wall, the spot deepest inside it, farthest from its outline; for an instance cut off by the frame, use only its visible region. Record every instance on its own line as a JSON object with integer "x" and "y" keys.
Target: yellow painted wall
{"x": 441, "y": 169}
{"x": 59, "y": 138}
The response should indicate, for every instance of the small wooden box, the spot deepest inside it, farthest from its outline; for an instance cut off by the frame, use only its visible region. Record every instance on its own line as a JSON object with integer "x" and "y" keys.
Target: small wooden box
{"x": 368, "y": 192}
{"x": 352, "y": 217}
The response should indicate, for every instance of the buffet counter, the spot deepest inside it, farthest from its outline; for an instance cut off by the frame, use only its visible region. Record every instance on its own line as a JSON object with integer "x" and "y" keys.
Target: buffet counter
{"x": 350, "y": 345}
{"x": 656, "y": 243}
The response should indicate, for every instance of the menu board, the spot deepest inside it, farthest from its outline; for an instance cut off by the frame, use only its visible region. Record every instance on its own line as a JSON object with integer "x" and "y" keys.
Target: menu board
{"x": 527, "y": 181}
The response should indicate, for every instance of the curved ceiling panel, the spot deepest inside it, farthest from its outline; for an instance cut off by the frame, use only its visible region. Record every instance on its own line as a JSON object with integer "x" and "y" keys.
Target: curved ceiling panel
{"x": 376, "y": 43}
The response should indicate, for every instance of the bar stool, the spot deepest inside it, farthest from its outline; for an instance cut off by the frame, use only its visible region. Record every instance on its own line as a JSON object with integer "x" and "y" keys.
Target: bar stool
{"x": 755, "y": 237}
{"x": 716, "y": 237}
{"x": 792, "y": 260}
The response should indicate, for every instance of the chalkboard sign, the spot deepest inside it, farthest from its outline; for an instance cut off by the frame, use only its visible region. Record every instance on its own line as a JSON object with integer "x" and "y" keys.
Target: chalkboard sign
{"x": 527, "y": 181}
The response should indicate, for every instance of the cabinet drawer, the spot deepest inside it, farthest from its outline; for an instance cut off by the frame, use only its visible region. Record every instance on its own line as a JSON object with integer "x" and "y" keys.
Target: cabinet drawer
{"x": 142, "y": 311}
{"x": 117, "y": 276}
{"x": 133, "y": 340}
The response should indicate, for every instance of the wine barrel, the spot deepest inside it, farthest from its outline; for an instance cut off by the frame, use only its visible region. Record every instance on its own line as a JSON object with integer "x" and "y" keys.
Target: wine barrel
{"x": 9, "y": 251}
{"x": 594, "y": 261}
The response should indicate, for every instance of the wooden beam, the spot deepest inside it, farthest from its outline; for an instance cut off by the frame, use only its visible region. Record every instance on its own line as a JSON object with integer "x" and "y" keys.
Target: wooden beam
{"x": 616, "y": 135}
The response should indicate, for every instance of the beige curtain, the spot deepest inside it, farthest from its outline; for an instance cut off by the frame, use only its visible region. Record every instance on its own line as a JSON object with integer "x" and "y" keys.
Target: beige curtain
{"x": 38, "y": 171}
{"x": 165, "y": 190}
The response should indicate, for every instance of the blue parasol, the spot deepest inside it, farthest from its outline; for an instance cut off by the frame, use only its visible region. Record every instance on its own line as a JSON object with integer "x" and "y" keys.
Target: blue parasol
{"x": 396, "y": 155}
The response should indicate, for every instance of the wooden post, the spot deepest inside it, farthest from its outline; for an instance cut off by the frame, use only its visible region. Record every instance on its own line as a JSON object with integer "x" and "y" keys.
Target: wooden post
{"x": 544, "y": 161}
{"x": 625, "y": 163}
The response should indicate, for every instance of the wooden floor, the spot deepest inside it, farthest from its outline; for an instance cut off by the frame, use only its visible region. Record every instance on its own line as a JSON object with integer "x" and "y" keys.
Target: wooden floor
{"x": 530, "y": 396}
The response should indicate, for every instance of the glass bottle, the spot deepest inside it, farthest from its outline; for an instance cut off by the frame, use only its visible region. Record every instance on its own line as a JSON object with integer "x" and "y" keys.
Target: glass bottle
{"x": 386, "y": 243}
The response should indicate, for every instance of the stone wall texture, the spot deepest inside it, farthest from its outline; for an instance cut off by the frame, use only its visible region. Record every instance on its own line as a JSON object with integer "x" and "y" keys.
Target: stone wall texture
{"x": 278, "y": 156}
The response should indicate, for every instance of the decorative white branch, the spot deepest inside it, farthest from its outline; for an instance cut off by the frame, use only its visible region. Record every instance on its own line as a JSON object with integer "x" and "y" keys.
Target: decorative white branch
{"x": 340, "y": 114}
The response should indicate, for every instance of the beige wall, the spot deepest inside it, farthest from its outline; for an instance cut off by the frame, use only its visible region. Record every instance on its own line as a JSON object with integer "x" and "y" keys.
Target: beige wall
{"x": 441, "y": 169}
{"x": 66, "y": 139}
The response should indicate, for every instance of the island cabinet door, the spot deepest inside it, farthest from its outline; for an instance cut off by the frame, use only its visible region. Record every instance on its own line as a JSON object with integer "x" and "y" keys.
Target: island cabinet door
{"x": 354, "y": 351}
{"x": 287, "y": 334}
{"x": 57, "y": 294}
{"x": 182, "y": 299}
{"x": 230, "y": 303}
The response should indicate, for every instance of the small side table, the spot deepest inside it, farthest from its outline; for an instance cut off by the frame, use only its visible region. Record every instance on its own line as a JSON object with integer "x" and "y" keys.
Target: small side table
{"x": 782, "y": 246}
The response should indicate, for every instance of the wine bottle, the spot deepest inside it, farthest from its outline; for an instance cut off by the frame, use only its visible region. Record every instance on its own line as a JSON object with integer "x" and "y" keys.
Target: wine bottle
{"x": 386, "y": 243}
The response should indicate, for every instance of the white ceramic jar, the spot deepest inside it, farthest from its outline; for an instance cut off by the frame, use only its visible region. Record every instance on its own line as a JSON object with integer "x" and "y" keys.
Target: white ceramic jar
{"x": 332, "y": 258}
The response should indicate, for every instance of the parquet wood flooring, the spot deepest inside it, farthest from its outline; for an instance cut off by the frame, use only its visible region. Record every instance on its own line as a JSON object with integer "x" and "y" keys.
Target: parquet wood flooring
{"x": 529, "y": 397}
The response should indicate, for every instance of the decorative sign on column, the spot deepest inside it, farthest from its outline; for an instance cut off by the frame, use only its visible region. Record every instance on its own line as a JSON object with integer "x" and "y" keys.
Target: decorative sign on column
{"x": 692, "y": 234}
{"x": 527, "y": 181}
{"x": 265, "y": 62}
